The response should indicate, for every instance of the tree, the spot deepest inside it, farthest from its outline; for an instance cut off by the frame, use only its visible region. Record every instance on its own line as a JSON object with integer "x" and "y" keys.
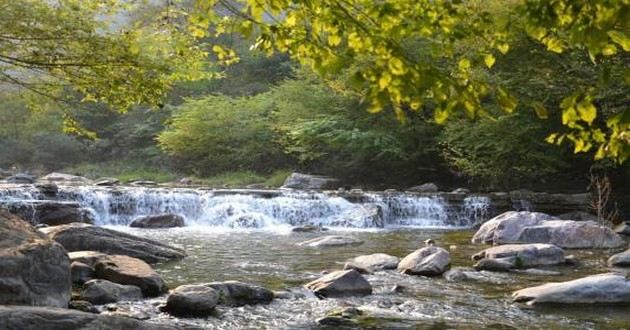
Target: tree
{"x": 428, "y": 54}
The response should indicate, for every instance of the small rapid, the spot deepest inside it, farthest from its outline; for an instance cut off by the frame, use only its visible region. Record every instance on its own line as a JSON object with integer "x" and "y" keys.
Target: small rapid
{"x": 261, "y": 208}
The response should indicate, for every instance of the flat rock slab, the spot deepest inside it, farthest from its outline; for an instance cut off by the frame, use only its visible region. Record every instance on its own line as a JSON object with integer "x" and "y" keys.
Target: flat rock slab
{"x": 38, "y": 318}
{"x": 620, "y": 259}
{"x": 130, "y": 271}
{"x": 341, "y": 283}
{"x": 100, "y": 292}
{"x": 331, "y": 241}
{"x": 235, "y": 293}
{"x": 82, "y": 237}
{"x": 192, "y": 300}
{"x": 524, "y": 255}
{"x": 372, "y": 262}
{"x": 34, "y": 270}
{"x": 603, "y": 289}
{"x": 428, "y": 261}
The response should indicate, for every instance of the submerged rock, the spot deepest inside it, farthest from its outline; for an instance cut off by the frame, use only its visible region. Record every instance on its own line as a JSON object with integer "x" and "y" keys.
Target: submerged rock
{"x": 192, "y": 300}
{"x": 520, "y": 256}
{"x": 533, "y": 227}
{"x": 596, "y": 289}
{"x": 428, "y": 261}
{"x": 462, "y": 274}
{"x": 81, "y": 237}
{"x": 102, "y": 292}
{"x": 132, "y": 271}
{"x": 620, "y": 259}
{"x": 340, "y": 283}
{"x": 309, "y": 182}
{"x": 331, "y": 240}
{"x": 372, "y": 262}
{"x": 158, "y": 221}
{"x": 36, "y": 318}
{"x": 234, "y": 293}
{"x": 34, "y": 270}
{"x": 308, "y": 229}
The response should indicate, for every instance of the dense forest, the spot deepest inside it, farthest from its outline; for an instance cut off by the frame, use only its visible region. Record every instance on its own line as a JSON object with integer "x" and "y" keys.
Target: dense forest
{"x": 257, "y": 117}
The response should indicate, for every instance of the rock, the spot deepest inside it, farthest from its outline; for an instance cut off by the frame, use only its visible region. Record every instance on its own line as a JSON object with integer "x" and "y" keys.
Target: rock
{"x": 603, "y": 289}
{"x": 82, "y": 237}
{"x": 48, "y": 189}
{"x": 83, "y": 306}
{"x": 48, "y": 212}
{"x": 462, "y": 274}
{"x": 330, "y": 241}
{"x": 521, "y": 255}
{"x": 427, "y": 261}
{"x": 64, "y": 178}
{"x": 362, "y": 216}
{"x": 106, "y": 182}
{"x": 158, "y": 221}
{"x": 143, "y": 183}
{"x": 81, "y": 272}
{"x": 86, "y": 257}
{"x": 424, "y": 188}
{"x": 623, "y": 228}
{"x": 131, "y": 271}
{"x": 186, "y": 181}
{"x": 5, "y": 173}
{"x": 620, "y": 259}
{"x": 536, "y": 272}
{"x": 37, "y": 318}
{"x": 308, "y": 229}
{"x": 100, "y": 292}
{"x": 341, "y": 317}
{"x": 21, "y": 178}
{"x": 532, "y": 227}
{"x": 256, "y": 186}
{"x": 34, "y": 270}
{"x": 577, "y": 216}
{"x": 373, "y": 262}
{"x": 461, "y": 191}
{"x": 234, "y": 293}
{"x": 309, "y": 182}
{"x": 494, "y": 265}
{"x": 192, "y": 300}
{"x": 340, "y": 284}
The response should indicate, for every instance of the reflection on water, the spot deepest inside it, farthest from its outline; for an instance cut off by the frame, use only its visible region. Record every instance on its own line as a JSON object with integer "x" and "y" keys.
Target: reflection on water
{"x": 272, "y": 259}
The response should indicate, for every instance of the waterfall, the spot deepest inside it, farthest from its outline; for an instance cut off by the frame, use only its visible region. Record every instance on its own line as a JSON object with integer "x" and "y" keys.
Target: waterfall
{"x": 258, "y": 209}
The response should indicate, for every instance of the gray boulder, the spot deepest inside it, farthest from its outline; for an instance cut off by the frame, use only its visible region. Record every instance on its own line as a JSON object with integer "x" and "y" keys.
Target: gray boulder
{"x": 192, "y": 300}
{"x": 620, "y": 259}
{"x": 100, "y": 292}
{"x": 21, "y": 178}
{"x": 623, "y": 228}
{"x": 427, "y": 261}
{"x": 106, "y": 182}
{"x": 34, "y": 270}
{"x": 82, "y": 237}
{"x": 532, "y": 227}
{"x": 331, "y": 241}
{"x": 462, "y": 274}
{"x": 340, "y": 283}
{"x": 38, "y": 318}
{"x": 309, "y": 182}
{"x": 64, "y": 178}
{"x": 522, "y": 255}
{"x": 603, "y": 289}
{"x": 50, "y": 212}
{"x": 131, "y": 271}
{"x": 494, "y": 265}
{"x": 234, "y": 293}
{"x": 424, "y": 188}
{"x": 158, "y": 221}
{"x": 81, "y": 272}
{"x": 370, "y": 263}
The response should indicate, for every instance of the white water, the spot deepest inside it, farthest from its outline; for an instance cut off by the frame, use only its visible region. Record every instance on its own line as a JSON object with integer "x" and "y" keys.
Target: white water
{"x": 242, "y": 209}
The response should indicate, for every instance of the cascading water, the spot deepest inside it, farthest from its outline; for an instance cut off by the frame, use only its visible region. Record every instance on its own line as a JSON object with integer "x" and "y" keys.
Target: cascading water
{"x": 259, "y": 209}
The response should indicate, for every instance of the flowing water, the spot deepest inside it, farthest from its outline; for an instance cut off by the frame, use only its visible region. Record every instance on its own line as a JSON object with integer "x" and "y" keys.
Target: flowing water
{"x": 262, "y": 250}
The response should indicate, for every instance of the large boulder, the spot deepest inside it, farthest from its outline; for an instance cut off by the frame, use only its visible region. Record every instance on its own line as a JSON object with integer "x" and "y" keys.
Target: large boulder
{"x": 82, "y": 237}
{"x": 100, "y": 292}
{"x": 309, "y": 182}
{"x": 64, "y": 178}
{"x": 424, "y": 188}
{"x": 158, "y": 221}
{"x": 620, "y": 259}
{"x": 38, "y": 318}
{"x": 427, "y": 261}
{"x": 331, "y": 241}
{"x": 34, "y": 270}
{"x": 596, "y": 289}
{"x": 372, "y": 262}
{"x": 192, "y": 300}
{"x": 234, "y": 293}
{"x": 521, "y": 256}
{"x": 131, "y": 271}
{"x": 340, "y": 283}
{"x": 532, "y": 227}
{"x": 50, "y": 213}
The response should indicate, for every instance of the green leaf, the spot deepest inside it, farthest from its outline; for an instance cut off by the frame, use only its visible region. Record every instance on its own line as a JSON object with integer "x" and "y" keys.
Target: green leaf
{"x": 587, "y": 111}
{"x": 489, "y": 60}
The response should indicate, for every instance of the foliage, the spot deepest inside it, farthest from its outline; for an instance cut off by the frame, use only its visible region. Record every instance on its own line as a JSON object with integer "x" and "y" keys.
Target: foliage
{"x": 123, "y": 171}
